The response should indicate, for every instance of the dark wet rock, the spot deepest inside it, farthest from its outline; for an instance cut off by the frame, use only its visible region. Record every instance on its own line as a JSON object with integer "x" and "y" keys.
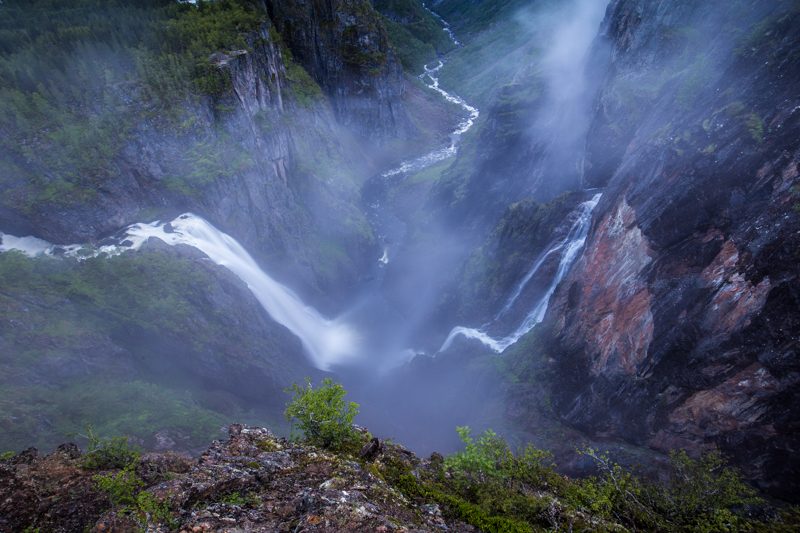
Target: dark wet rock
{"x": 345, "y": 48}
{"x": 372, "y": 449}
{"x": 678, "y": 326}
{"x": 254, "y": 481}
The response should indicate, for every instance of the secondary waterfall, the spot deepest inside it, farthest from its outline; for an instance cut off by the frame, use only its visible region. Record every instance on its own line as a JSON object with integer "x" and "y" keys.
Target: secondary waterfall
{"x": 570, "y": 248}
{"x": 328, "y": 342}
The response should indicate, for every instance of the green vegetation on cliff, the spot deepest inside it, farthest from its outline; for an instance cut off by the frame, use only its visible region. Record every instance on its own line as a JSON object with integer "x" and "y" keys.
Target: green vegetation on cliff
{"x": 76, "y": 78}
{"x": 414, "y": 32}
{"x": 322, "y": 414}
{"x": 133, "y": 344}
{"x": 254, "y": 480}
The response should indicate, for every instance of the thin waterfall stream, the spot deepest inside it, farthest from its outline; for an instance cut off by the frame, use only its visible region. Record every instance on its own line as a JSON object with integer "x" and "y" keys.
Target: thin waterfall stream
{"x": 570, "y": 248}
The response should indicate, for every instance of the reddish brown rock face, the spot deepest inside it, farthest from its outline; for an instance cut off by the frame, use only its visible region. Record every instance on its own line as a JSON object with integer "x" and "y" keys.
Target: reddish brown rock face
{"x": 729, "y": 406}
{"x": 735, "y": 299}
{"x": 680, "y": 325}
{"x": 614, "y": 312}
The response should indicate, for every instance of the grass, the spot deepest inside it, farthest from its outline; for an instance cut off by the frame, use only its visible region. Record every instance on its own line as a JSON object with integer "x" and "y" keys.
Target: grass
{"x": 114, "y": 407}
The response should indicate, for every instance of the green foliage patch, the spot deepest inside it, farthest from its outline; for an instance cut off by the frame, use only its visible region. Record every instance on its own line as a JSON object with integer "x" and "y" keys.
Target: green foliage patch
{"x": 124, "y": 491}
{"x": 414, "y": 33}
{"x": 76, "y": 78}
{"x": 323, "y": 415}
{"x": 494, "y": 489}
{"x": 114, "y": 452}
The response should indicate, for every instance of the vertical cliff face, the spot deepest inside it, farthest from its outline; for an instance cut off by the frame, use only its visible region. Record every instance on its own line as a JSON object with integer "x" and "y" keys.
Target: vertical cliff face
{"x": 258, "y": 159}
{"x": 678, "y": 327}
{"x": 345, "y": 48}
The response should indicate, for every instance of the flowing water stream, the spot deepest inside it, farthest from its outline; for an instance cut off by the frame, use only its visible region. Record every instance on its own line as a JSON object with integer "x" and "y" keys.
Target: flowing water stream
{"x": 327, "y": 342}
{"x": 389, "y": 228}
{"x": 570, "y": 248}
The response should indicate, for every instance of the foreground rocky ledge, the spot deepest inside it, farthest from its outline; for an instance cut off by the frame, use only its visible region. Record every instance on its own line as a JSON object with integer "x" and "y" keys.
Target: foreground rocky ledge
{"x": 254, "y": 481}
{"x": 258, "y": 482}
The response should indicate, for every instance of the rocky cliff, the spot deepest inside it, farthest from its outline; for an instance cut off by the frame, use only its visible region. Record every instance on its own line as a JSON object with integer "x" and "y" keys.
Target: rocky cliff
{"x": 259, "y": 156}
{"x": 345, "y": 48}
{"x": 678, "y": 327}
{"x": 254, "y": 481}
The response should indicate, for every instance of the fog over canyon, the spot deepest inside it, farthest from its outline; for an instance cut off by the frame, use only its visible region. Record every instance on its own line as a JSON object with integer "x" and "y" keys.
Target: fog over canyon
{"x": 574, "y": 222}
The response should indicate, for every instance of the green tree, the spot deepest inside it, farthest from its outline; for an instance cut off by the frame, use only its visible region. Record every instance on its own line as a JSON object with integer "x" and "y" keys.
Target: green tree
{"x": 322, "y": 414}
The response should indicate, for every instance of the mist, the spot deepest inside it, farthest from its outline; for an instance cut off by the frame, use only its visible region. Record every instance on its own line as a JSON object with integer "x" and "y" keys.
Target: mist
{"x": 203, "y": 203}
{"x": 373, "y": 326}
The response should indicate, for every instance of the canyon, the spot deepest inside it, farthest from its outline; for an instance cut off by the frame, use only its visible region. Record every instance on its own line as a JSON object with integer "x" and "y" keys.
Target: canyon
{"x": 577, "y": 223}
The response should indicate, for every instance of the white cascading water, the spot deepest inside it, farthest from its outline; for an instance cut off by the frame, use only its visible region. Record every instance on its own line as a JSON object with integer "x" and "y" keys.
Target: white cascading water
{"x": 431, "y": 78}
{"x": 328, "y": 342}
{"x": 445, "y": 25}
{"x": 431, "y": 158}
{"x": 571, "y": 245}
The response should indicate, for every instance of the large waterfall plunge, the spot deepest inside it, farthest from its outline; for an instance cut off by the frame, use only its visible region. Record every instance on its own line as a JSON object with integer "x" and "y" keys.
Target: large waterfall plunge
{"x": 328, "y": 342}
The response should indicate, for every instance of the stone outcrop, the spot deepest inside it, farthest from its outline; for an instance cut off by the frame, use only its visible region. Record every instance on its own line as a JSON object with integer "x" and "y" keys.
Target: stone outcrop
{"x": 344, "y": 47}
{"x": 259, "y": 159}
{"x": 253, "y": 481}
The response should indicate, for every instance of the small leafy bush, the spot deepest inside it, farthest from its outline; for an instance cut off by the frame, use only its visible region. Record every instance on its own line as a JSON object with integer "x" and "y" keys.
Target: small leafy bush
{"x": 124, "y": 490}
{"x": 249, "y": 499}
{"x": 487, "y": 457}
{"x": 494, "y": 489}
{"x": 323, "y": 415}
{"x": 149, "y": 508}
{"x": 700, "y": 495}
{"x": 115, "y": 452}
{"x": 121, "y": 487}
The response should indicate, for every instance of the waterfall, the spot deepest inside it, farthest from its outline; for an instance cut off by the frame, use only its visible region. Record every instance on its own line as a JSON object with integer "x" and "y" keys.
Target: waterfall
{"x": 327, "y": 342}
{"x": 571, "y": 245}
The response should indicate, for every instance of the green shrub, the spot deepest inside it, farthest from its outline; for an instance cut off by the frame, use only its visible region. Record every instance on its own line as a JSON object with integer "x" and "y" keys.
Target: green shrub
{"x": 115, "y": 452}
{"x": 249, "y": 499}
{"x": 121, "y": 487}
{"x": 489, "y": 456}
{"x": 322, "y": 414}
{"x": 493, "y": 489}
{"x": 5, "y": 456}
{"x": 150, "y": 509}
{"x": 124, "y": 490}
{"x": 703, "y": 492}
{"x": 614, "y": 494}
